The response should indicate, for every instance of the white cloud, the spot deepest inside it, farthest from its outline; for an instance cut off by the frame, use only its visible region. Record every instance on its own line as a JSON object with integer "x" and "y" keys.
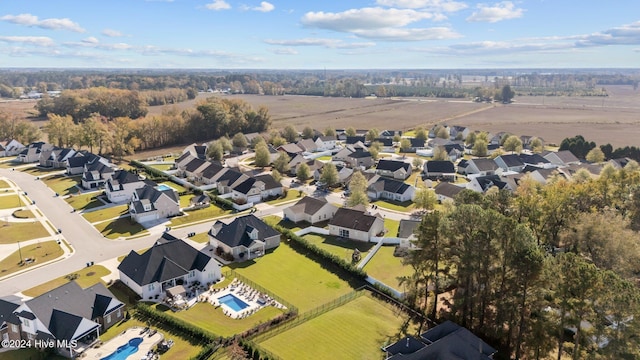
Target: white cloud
{"x": 30, "y": 40}
{"x": 218, "y": 5}
{"x": 622, "y": 35}
{"x": 51, "y": 24}
{"x": 504, "y": 10}
{"x": 112, "y": 33}
{"x": 409, "y": 34}
{"x": 90, "y": 40}
{"x": 363, "y": 19}
{"x": 264, "y": 7}
{"x": 285, "y": 51}
{"x": 328, "y": 43}
{"x": 435, "y": 5}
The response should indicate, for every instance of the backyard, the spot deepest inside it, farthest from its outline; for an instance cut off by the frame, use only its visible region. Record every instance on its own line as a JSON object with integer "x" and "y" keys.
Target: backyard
{"x": 12, "y": 232}
{"x": 387, "y": 268}
{"x": 63, "y": 185}
{"x": 199, "y": 215}
{"x": 85, "y": 201}
{"x": 340, "y": 247}
{"x": 347, "y": 332}
{"x": 406, "y": 206}
{"x": 294, "y": 277}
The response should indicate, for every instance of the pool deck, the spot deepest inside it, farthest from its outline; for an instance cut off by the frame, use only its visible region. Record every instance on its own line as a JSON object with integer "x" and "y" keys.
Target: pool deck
{"x": 106, "y": 349}
{"x": 243, "y": 292}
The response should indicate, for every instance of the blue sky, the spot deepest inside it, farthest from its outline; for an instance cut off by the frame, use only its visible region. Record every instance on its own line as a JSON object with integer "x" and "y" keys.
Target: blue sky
{"x": 316, "y": 34}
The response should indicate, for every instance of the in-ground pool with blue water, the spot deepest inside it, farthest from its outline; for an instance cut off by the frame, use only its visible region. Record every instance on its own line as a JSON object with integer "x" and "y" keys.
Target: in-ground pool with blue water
{"x": 233, "y": 302}
{"x": 163, "y": 187}
{"x": 125, "y": 350}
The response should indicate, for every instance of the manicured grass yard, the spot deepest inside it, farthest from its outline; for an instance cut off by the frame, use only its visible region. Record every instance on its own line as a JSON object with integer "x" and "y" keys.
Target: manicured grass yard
{"x": 86, "y": 277}
{"x": 343, "y": 248}
{"x": 162, "y": 167}
{"x": 387, "y": 268}
{"x": 182, "y": 348}
{"x": 106, "y": 213}
{"x": 177, "y": 187}
{"x": 10, "y": 201}
{"x": 324, "y": 158}
{"x": 291, "y": 195}
{"x": 356, "y": 330}
{"x": 23, "y": 214}
{"x": 42, "y": 252}
{"x": 406, "y": 206}
{"x": 63, "y": 185}
{"x": 11, "y": 232}
{"x": 201, "y": 238}
{"x": 294, "y": 277}
{"x": 206, "y": 316}
{"x": 411, "y": 180}
{"x": 121, "y": 227}
{"x": 392, "y": 226}
{"x": 3, "y": 184}
{"x": 199, "y": 215}
{"x": 85, "y": 201}
{"x": 185, "y": 200}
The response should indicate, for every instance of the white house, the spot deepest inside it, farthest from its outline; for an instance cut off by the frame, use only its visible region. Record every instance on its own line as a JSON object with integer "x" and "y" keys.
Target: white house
{"x": 246, "y": 237}
{"x": 311, "y": 210}
{"x": 168, "y": 263}
{"x": 510, "y": 162}
{"x": 481, "y": 167}
{"x": 150, "y": 203}
{"x": 355, "y": 224}
{"x": 446, "y": 191}
{"x": 10, "y": 147}
{"x": 395, "y": 169}
{"x": 120, "y": 187}
{"x": 390, "y": 189}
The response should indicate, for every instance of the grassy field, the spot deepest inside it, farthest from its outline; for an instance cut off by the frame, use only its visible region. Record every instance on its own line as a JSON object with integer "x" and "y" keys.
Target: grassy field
{"x": 295, "y": 278}
{"x": 342, "y": 248}
{"x": 106, "y": 213}
{"x": 11, "y": 232}
{"x": 348, "y": 332}
{"x": 10, "y": 201}
{"x": 42, "y": 252}
{"x": 387, "y": 268}
{"x": 182, "y": 348}
{"x": 206, "y": 316}
{"x": 86, "y": 277}
{"x": 121, "y": 227}
{"x": 63, "y": 185}
{"x": 3, "y": 184}
{"x": 199, "y": 215}
{"x": 85, "y": 201}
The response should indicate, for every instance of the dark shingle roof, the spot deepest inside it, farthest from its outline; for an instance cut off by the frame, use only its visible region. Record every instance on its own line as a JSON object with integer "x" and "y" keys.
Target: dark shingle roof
{"x": 407, "y": 228}
{"x": 389, "y": 185}
{"x": 384, "y": 141}
{"x": 533, "y": 159}
{"x": 439, "y": 166}
{"x": 354, "y": 139}
{"x": 245, "y": 186}
{"x": 121, "y": 177}
{"x": 353, "y": 219}
{"x": 447, "y": 189}
{"x": 392, "y": 165}
{"x": 6, "y": 312}
{"x": 308, "y": 205}
{"x": 484, "y": 164}
{"x": 268, "y": 181}
{"x": 406, "y": 346}
{"x": 194, "y": 164}
{"x": 415, "y": 143}
{"x": 164, "y": 261}
{"x": 235, "y": 233}
{"x": 211, "y": 170}
{"x": 359, "y": 154}
{"x": 488, "y": 181}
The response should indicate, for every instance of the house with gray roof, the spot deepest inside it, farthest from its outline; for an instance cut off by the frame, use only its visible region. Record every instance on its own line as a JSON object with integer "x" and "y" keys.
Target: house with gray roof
{"x": 390, "y": 189}
{"x": 483, "y": 183}
{"x": 69, "y": 314}
{"x": 407, "y": 229}
{"x": 355, "y": 224}
{"x": 195, "y": 150}
{"x": 31, "y": 153}
{"x": 439, "y": 170}
{"x": 311, "y": 210}
{"x": 246, "y": 237}
{"x": 120, "y": 187}
{"x": 9, "y": 322}
{"x": 446, "y": 191}
{"x": 481, "y": 167}
{"x": 360, "y": 159}
{"x": 562, "y": 158}
{"x": 10, "y": 147}
{"x": 168, "y": 263}
{"x": 75, "y": 165}
{"x": 394, "y": 169}
{"x": 96, "y": 173}
{"x": 56, "y": 158}
{"x": 510, "y": 162}
{"x": 150, "y": 203}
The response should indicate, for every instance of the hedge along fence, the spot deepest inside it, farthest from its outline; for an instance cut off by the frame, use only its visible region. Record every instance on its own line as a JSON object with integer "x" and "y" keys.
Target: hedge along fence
{"x": 223, "y": 203}
{"x": 155, "y": 173}
{"x": 149, "y": 313}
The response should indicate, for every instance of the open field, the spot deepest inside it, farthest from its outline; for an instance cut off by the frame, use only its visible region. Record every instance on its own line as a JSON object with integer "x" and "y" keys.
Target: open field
{"x": 11, "y": 232}
{"x": 293, "y": 277}
{"x": 42, "y": 252}
{"x": 347, "y": 332}
{"x": 86, "y": 277}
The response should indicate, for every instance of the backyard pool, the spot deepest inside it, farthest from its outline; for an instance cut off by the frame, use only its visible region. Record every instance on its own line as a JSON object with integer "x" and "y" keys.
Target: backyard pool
{"x": 164, "y": 187}
{"x": 125, "y": 350}
{"x": 233, "y": 302}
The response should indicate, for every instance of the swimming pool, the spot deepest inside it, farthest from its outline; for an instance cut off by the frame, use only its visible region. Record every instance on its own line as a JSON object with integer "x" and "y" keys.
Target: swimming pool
{"x": 125, "y": 350}
{"x": 163, "y": 187}
{"x": 233, "y": 302}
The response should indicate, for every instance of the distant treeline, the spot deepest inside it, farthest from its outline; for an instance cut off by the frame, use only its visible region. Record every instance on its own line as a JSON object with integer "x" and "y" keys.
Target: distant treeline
{"x": 581, "y": 147}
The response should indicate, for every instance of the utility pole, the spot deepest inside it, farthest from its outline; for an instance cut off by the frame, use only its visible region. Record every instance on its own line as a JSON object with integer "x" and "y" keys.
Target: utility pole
{"x": 20, "y": 252}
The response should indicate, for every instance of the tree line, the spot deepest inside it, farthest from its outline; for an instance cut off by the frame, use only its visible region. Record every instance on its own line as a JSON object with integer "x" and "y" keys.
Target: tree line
{"x": 581, "y": 148}
{"x": 547, "y": 271}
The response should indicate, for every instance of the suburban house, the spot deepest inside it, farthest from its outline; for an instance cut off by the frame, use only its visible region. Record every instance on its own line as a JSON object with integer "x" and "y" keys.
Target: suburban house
{"x": 311, "y": 210}
{"x": 10, "y": 147}
{"x": 120, "y": 187}
{"x": 75, "y": 165}
{"x": 56, "y": 158}
{"x": 256, "y": 189}
{"x": 481, "y": 166}
{"x": 195, "y": 150}
{"x": 326, "y": 143}
{"x": 229, "y": 179}
{"x": 360, "y": 158}
{"x": 457, "y": 132}
{"x": 390, "y": 189}
{"x": 541, "y": 175}
{"x": 562, "y": 158}
{"x": 314, "y": 165}
{"x": 535, "y": 160}
{"x": 415, "y": 145}
{"x": 390, "y": 134}
{"x": 150, "y": 203}
{"x": 344, "y": 174}
{"x": 31, "y": 153}
{"x": 291, "y": 149}
{"x": 446, "y": 191}
{"x": 483, "y": 183}
{"x": 68, "y": 314}
{"x": 407, "y": 229}
{"x": 351, "y": 140}
{"x": 510, "y": 162}
{"x": 440, "y": 170}
{"x": 169, "y": 262}
{"x": 395, "y": 169}
{"x": 619, "y": 163}
{"x": 209, "y": 172}
{"x": 386, "y": 144}
{"x": 462, "y": 166}
{"x": 246, "y": 237}
{"x": 355, "y": 224}
{"x": 445, "y": 341}
{"x": 307, "y": 145}
{"x": 96, "y": 173}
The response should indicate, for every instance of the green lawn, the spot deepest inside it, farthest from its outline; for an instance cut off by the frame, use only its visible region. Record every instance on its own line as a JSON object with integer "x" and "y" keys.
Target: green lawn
{"x": 122, "y": 227}
{"x": 86, "y": 277}
{"x": 182, "y": 348}
{"x": 291, "y": 195}
{"x": 85, "y": 201}
{"x": 387, "y": 268}
{"x": 11, "y": 232}
{"x": 277, "y": 220}
{"x": 177, "y": 187}
{"x": 406, "y": 206}
{"x": 162, "y": 167}
{"x": 392, "y": 226}
{"x": 411, "y": 180}
{"x": 38, "y": 171}
{"x": 106, "y": 213}
{"x": 3, "y": 184}
{"x": 324, "y": 158}
{"x": 185, "y": 200}
{"x": 343, "y": 248}
{"x": 294, "y": 277}
{"x": 10, "y": 201}
{"x": 42, "y": 252}
{"x": 23, "y": 214}
{"x": 199, "y": 215}
{"x": 206, "y": 316}
{"x": 63, "y": 185}
{"x": 356, "y": 330}
{"x": 201, "y": 238}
